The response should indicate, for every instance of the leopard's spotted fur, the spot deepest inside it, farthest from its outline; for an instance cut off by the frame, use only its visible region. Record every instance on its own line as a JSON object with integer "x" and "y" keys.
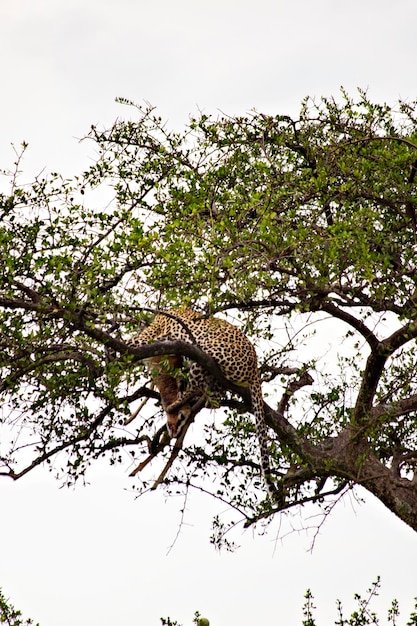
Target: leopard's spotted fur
{"x": 234, "y": 354}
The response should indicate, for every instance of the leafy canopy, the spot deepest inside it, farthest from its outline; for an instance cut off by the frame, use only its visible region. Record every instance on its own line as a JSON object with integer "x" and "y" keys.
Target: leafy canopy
{"x": 301, "y": 230}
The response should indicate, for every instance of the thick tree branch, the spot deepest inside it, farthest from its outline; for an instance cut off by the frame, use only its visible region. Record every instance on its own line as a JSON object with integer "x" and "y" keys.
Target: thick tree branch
{"x": 351, "y": 320}
{"x": 395, "y": 409}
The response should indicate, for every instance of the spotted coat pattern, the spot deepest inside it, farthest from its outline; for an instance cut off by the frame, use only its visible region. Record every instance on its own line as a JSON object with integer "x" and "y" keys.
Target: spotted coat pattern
{"x": 233, "y": 352}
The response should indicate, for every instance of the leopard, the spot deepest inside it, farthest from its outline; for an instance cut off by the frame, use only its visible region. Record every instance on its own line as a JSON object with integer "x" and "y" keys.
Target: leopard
{"x": 234, "y": 354}
{"x": 171, "y": 387}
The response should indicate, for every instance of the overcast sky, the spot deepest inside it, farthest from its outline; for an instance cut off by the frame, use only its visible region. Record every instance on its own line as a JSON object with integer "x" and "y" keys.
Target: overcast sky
{"x": 96, "y": 555}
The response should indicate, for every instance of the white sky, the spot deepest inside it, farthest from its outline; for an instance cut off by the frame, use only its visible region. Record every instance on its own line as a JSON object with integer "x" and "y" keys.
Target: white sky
{"x": 95, "y": 555}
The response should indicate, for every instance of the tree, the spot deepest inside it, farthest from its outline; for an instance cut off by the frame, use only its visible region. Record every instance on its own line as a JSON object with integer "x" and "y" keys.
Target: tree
{"x": 302, "y": 231}
{"x": 11, "y": 616}
{"x": 362, "y": 616}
